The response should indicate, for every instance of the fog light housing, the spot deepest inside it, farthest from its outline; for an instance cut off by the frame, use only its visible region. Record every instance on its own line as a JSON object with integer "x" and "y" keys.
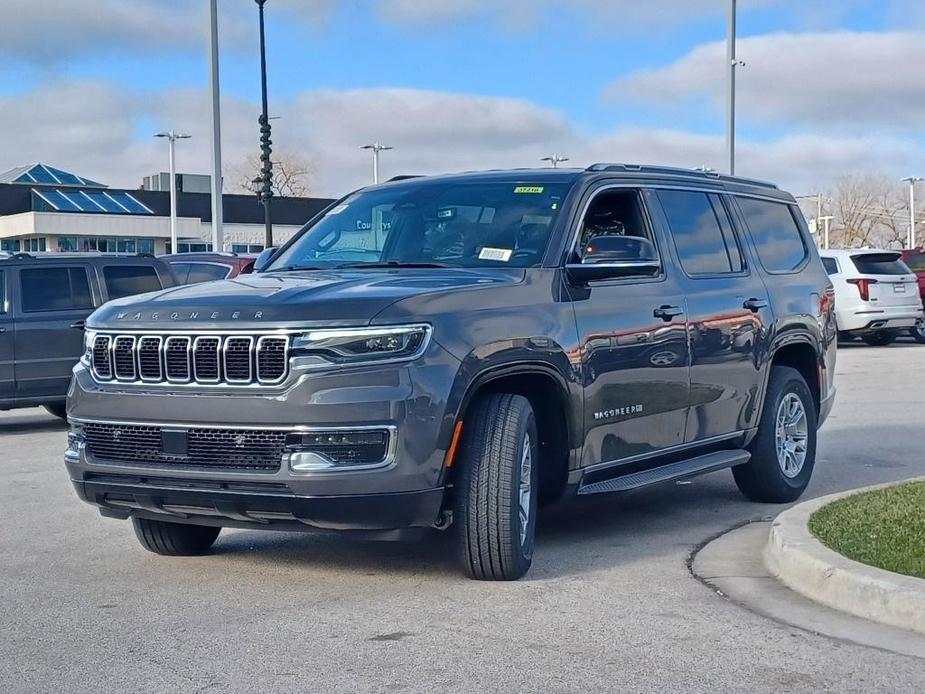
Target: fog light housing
{"x": 338, "y": 450}
{"x": 75, "y": 441}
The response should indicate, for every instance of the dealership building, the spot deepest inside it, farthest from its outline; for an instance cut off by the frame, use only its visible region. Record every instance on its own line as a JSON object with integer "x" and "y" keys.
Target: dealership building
{"x": 43, "y": 208}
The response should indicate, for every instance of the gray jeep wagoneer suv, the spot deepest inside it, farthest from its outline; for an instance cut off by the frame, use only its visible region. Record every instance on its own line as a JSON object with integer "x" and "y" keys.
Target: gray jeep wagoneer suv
{"x": 449, "y": 352}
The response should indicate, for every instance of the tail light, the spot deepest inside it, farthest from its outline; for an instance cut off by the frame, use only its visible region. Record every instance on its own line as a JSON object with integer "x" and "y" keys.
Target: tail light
{"x": 827, "y": 302}
{"x": 863, "y": 286}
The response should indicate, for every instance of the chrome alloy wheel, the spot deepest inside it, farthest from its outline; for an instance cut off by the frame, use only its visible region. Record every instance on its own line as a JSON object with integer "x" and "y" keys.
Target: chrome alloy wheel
{"x": 919, "y": 329}
{"x": 526, "y": 482}
{"x": 792, "y": 435}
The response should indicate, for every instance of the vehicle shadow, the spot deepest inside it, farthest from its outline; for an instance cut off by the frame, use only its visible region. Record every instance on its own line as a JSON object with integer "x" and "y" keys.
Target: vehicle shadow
{"x": 11, "y": 424}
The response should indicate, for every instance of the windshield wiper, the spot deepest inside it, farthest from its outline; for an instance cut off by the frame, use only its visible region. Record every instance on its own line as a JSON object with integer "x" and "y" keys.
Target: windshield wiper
{"x": 292, "y": 268}
{"x": 391, "y": 263}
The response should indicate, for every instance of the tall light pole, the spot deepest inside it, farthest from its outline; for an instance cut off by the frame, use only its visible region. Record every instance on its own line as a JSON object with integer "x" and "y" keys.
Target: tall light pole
{"x": 731, "y": 64}
{"x": 172, "y": 138}
{"x": 555, "y": 160}
{"x": 217, "y": 240}
{"x": 376, "y": 147}
{"x": 825, "y": 234}
{"x": 266, "y": 168}
{"x": 912, "y": 180}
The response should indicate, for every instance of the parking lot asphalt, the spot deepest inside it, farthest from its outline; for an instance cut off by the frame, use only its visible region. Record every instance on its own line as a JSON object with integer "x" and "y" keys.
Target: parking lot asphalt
{"x": 609, "y": 605}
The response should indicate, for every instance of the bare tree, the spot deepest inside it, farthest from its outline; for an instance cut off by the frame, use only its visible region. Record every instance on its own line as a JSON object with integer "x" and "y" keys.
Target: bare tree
{"x": 292, "y": 174}
{"x": 869, "y": 210}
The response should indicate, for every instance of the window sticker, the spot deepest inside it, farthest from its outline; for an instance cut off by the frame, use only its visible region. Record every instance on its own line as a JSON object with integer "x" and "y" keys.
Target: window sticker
{"x": 529, "y": 189}
{"x": 502, "y": 254}
{"x": 336, "y": 210}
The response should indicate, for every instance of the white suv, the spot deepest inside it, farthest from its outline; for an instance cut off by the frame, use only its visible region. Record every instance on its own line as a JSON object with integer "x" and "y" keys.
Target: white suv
{"x": 876, "y": 294}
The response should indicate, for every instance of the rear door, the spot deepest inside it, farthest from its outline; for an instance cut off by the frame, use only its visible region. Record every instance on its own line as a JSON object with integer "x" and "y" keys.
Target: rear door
{"x": 728, "y": 313}
{"x": 7, "y": 382}
{"x": 52, "y": 304}
{"x": 891, "y": 284}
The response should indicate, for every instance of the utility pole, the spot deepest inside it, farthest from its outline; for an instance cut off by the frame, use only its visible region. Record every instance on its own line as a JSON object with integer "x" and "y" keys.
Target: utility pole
{"x": 731, "y": 64}
{"x": 555, "y": 160}
{"x": 172, "y": 137}
{"x": 266, "y": 169}
{"x": 217, "y": 211}
{"x": 376, "y": 147}
{"x": 825, "y": 238}
{"x": 911, "y": 180}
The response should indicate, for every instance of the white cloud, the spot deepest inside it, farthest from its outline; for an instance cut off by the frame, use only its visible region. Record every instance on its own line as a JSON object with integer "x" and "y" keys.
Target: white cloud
{"x": 816, "y": 79}
{"x": 99, "y": 131}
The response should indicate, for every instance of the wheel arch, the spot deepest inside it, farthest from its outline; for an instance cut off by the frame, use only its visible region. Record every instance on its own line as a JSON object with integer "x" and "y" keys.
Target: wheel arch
{"x": 799, "y": 353}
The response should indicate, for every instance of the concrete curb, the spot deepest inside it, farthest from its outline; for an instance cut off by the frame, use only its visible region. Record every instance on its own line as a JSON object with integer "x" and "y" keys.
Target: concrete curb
{"x": 805, "y": 565}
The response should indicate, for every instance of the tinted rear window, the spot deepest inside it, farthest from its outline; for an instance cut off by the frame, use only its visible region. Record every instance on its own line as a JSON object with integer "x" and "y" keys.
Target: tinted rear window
{"x": 880, "y": 264}
{"x": 916, "y": 261}
{"x": 776, "y": 234}
{"x": 126, "y": 280}
{"x": 702, "y": 232}
{"x": 55, "y": 289}
{"x": 831, "y": 265}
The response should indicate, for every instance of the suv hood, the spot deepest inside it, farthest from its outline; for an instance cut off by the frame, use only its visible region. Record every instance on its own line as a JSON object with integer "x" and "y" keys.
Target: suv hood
{"x": 295, "y": 299}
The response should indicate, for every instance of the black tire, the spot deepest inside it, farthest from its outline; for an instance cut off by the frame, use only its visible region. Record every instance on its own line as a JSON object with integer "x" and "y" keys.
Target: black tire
{"x": 174, "y": 539}
{"x": 487, "y": 490}
{"x": 918, "y": 332}
{"x": 881, "y": 338}
{"x": 57, "y": 409}
{"x": 762, "y": 478}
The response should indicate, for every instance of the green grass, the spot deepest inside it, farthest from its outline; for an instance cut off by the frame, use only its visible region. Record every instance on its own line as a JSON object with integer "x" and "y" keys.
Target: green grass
{"x": 883, "y": 528}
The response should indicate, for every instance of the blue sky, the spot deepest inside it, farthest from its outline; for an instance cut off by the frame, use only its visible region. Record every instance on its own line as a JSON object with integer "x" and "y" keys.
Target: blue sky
{"x": 589, "y": 77}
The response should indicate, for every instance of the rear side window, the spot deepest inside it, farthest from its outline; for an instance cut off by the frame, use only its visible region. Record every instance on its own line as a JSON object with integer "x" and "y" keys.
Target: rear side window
{"x": 776, "y": 234}
{"x": 206, "y": 272}
{"x": 702, "y": 232}
{"x": 126, "y": 280}
{"x": 880, "y": 264}
{"x": 831, "y": 266}
{"x": 916, "y": 262}
{"x": 55, "y": 289}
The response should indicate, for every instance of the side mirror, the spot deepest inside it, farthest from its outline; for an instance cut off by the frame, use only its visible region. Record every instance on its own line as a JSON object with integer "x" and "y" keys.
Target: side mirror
{"x": 263, "y": 260}
{"x": 605, "y": 257}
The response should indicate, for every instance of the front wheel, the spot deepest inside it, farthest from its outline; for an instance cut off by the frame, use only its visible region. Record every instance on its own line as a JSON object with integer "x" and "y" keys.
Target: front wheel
{"x": 496, "y": 491}
{"x": 58, "y": 409}
{"x": 784, "y": 449}
{"x": 174, "y": 539}
{"x": 918, "y": 332}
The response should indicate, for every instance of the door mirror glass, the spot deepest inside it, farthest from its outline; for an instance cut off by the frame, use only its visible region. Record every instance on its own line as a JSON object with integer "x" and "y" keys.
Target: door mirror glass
{"x": 264, "y": 259}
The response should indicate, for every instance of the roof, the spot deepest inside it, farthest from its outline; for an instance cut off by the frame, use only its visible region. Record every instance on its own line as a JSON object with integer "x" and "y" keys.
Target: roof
{"x": 844, "y": 252}
{"x": 52, "y": 257}
{"x": 38, "y": 173}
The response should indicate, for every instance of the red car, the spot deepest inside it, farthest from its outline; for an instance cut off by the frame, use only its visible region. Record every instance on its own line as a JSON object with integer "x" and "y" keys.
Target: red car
{"x": 192, "y": 268}
{"x": 915, "y": 259}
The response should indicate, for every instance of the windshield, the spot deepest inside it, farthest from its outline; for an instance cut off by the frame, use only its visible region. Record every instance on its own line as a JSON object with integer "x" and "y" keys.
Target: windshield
{"x": 484, "y": 224}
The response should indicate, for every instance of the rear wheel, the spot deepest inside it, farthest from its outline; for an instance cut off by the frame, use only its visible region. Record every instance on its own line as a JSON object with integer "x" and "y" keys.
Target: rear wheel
{"x": 918, "y": 332}
{"x": 58, "y": 409}
{"x": 174, "y": 539}
{"x": 881, "y": 338}
{"x": 784, "y": 450}
{"x": 496, "y": 490}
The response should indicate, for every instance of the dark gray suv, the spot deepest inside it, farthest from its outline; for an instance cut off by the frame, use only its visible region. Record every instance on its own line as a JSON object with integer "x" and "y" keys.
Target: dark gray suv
{"x": 450, "y": 352}
{"x": 44, "y": 300}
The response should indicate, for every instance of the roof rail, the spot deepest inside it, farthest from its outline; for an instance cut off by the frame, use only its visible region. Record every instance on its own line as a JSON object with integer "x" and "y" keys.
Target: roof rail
{"x": 22, "y": 255}
{"x": 678, "y": 171}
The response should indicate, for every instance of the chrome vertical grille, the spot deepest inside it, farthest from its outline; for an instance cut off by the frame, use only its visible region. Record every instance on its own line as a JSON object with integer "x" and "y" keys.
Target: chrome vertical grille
{"x": 205, "y": 359}
{"x": 123, "y": 357}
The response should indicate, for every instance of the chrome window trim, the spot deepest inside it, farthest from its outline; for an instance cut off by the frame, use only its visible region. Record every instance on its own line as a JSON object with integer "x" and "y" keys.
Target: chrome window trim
{"x": 250, "y": 359}
{"x": 115, "y": 369}
{"x": 160, "y": 358}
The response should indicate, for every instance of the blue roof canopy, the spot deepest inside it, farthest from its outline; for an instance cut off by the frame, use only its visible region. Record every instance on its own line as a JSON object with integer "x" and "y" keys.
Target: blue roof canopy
{"x": 43, "y": 174}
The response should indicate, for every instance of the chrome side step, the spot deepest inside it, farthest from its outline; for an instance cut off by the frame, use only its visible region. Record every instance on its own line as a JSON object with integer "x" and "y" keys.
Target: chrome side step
{"x": 701, "y": 465}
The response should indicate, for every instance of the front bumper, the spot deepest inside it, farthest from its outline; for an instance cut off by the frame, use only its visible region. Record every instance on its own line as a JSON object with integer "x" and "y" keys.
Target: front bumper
{"x": 250, "y": 506}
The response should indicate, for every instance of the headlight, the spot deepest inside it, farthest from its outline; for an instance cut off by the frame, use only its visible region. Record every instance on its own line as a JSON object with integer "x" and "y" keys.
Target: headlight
{"x": 363, "y": 345}
{"x": 86, "y": 357}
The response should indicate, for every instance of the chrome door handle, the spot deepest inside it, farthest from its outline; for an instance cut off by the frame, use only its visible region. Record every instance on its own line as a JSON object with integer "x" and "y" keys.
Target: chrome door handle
{"x": 755, "y": 305}
{"x": 667, "y": 313}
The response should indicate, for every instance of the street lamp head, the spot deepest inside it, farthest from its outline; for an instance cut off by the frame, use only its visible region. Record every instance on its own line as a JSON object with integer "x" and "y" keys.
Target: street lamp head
{"x": 377, "y": 147}
{"x": 171, "y": 135}
{"x": 912, "y": 179}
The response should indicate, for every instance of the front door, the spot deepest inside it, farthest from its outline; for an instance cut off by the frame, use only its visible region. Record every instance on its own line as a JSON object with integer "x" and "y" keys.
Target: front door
{"x": 634, "y": 351}
{"x": 7, "y": 384}
{"x": 53, "y": 301}
{"x": 728, "y": 314}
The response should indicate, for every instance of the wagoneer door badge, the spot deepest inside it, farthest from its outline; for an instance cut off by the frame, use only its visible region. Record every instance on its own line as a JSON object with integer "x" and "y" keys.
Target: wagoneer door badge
{"x": 628, "y": 410}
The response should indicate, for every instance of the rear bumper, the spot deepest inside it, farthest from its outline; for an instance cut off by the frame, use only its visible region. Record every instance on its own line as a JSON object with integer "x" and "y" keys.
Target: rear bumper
{"x": 253, "y": 506}
{"x": 870, "y": 320}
